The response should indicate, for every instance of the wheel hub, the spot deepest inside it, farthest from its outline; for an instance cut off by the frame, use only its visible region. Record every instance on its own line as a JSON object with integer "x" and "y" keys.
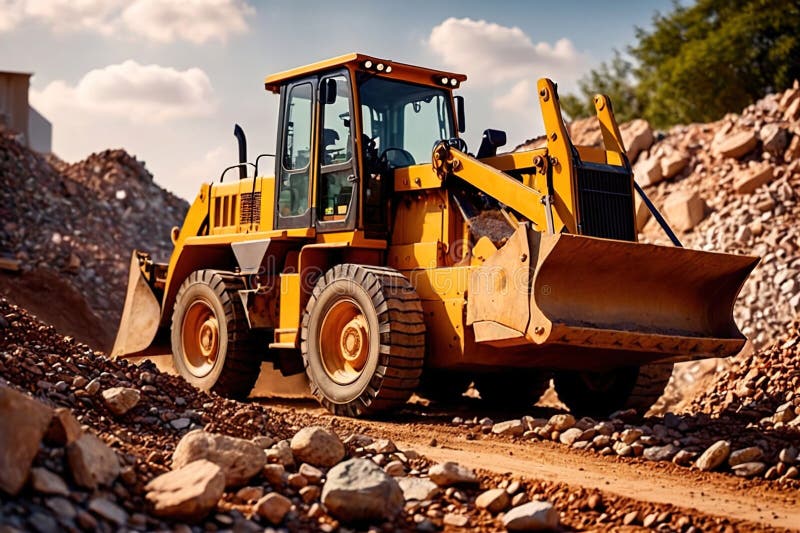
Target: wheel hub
{"x": 200, "y": 335}
{"x": 344, "y": 341}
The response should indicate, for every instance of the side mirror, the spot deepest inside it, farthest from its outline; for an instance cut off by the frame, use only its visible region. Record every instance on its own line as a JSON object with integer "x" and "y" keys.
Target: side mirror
{"x": 460, "y": 116}
{"x": 328, "y": 91}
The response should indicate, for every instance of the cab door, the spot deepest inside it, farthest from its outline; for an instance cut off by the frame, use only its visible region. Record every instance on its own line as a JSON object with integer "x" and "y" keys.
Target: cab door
{"x": 337, "y": 184}
{"x": 295, "y": 159}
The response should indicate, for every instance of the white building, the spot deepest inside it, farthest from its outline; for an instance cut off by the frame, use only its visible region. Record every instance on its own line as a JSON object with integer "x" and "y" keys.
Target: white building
{"x": 17, "y": 115}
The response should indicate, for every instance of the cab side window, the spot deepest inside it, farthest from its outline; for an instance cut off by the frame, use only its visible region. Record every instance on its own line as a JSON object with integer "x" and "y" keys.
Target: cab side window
{"x": 336, "y": 179}
{"x": 295, "y": 160}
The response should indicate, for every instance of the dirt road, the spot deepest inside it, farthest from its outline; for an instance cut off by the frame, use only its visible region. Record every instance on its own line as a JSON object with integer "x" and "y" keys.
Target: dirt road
{"x": 765, "y": 504}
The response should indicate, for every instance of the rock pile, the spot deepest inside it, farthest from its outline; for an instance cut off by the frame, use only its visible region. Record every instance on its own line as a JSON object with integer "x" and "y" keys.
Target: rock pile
{"x": 83, "y": 220}
{"x": 84, "y": 463}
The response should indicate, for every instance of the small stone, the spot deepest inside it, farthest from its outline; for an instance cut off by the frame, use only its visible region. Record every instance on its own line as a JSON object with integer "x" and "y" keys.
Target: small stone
{"x": 264, "y": 442}
{"x": 673, "y": 164}
{"x": 750, "y": 469}
{"x": 415, "y": 488}
{"x": 93, "y": 387}
{"x": 310, "y": 493}
{"x": 451, "y": 473}
{"x": 629, "y": 436}
{"x": 109, "y": 510}
{"x": 532, "y": 516}
{"x": 714, "y": 456}
{"x": 788, "y": 455}
{"x": 511, "y": 428}
{"x": 181, "y": 423}
{"x": 684, "y": 209}
{"x": 660, "y": 453}
{"x": 736, "y": 145}
{"x": 630, "y": 518}
{"x": 46, "y": 482}
{"x": 384, "y": 446}
{"x": 753, "y": 179}
{"x": 250, "y": 494}
{"x": 273, "y": 507}
{"x": 745, "y": 455}
{"x": 317, "y": 446}
{"x": 395, "y": 468}
{"x": 493, "y": 500}
{"x": 296, "y": 481}
{"x": 455, "y": 520}
{"x": 561, "y": 422}
{"x": 570, "y": 436}
{"x": 275, "y": 474}
{"x": 313, "y": 474}
{"x": 120, "y": 400}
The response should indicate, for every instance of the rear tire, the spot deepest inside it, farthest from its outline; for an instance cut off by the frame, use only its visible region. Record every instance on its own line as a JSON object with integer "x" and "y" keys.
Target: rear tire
{"x": 363, "y": 339}
{"x": 602, "y": 393}
{"x": 517, "y": 390}
{"x": 212, "y": 345}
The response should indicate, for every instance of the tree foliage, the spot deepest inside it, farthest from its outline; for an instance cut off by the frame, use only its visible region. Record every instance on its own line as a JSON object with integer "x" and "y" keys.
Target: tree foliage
{"x": 702, "y": 61}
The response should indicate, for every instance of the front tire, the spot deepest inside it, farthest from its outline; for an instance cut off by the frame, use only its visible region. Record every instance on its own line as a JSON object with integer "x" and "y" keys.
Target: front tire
{"x": 212, "y": 345}
{"x": 363, "y": 339}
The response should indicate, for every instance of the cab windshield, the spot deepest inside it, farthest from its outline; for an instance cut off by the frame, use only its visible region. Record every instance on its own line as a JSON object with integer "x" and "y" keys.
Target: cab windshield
{"x": 403, "y": 121}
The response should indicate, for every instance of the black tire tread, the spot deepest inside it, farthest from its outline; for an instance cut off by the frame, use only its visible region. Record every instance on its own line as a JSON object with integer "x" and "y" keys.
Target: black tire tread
{"x": 242, "y": 364}
{"x": 401, "y": 335}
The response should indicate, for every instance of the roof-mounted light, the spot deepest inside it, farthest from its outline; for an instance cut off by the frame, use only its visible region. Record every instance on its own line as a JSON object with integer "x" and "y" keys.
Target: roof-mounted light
{"x": 380, "y": 67}
{"x": 388, "y": 69}
{"x": 453, "y": 82}
{"x": 367, "y": 64}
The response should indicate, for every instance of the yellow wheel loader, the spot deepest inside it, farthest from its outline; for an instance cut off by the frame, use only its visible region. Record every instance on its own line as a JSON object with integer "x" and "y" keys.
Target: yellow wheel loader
{"x": 384, "y": 258}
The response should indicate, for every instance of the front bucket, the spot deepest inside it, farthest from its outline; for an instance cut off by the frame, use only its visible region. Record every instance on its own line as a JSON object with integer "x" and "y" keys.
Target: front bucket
{"x": 624, "y": 296}
{"x": 140, "y": 316}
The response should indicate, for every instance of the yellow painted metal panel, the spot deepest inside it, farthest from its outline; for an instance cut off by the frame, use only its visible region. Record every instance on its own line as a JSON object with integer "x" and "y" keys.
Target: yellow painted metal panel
{"x": 415, "y": 178}
{"x": 289, "y": 309}
{"x": 417, "y": 255}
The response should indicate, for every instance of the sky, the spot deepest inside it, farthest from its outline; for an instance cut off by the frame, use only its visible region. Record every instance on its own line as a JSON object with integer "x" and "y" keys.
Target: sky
{"x": 167, "y": 79}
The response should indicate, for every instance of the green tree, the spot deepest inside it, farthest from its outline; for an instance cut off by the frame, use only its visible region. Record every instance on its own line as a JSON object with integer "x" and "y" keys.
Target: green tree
{"x": 614, "y": 79}
{"x": 699, "y": 62}
{"x": 717, "y": 56}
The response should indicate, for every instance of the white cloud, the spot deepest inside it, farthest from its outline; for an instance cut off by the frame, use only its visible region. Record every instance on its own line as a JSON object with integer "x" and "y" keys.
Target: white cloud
{"x": 520, "y": 96}
{"x": 139, "y": 93}
{"x": 161, "y": 21}
{"x": 490, "y": 53}
{"x": 197, "y": 22}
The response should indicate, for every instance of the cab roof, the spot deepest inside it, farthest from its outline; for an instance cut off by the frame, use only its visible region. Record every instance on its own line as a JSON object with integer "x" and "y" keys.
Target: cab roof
{"x": 402, "y": 71}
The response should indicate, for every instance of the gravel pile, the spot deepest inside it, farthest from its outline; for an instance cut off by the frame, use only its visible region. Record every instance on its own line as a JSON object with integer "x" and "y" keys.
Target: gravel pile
{"x": 81, "y": 221}
{"x": 108, "y": 445}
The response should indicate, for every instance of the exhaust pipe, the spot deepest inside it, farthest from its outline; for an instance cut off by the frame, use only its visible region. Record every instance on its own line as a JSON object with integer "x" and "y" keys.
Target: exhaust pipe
{"x": 238, "y": 132}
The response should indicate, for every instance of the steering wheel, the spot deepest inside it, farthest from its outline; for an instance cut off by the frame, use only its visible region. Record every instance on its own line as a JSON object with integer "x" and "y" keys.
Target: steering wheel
{"x": 397, "y": 158}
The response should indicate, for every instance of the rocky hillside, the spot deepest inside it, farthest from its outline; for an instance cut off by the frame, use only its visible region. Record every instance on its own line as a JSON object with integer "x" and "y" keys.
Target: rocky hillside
{"x": 72, "y": 227}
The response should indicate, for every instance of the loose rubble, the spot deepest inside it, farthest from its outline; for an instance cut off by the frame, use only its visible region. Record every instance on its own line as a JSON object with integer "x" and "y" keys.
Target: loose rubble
{"x": 148, "y": 475}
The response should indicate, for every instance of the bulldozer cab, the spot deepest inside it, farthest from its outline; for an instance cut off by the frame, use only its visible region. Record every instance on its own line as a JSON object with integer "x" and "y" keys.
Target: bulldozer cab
{"x": 344, "y": 127}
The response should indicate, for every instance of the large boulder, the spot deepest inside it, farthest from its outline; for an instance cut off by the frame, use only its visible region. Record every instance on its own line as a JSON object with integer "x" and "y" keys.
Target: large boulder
{"x": 23, "y": 423}
{"x": 317, "y": 446}
{"x": 239, "y": 459}
{"x": 358, "y": 490}
{"x": 64, "y": 428}
{"x": 92, "y": 462}
{"x": 648, "y": 171}
{"x": 188, "y": 493}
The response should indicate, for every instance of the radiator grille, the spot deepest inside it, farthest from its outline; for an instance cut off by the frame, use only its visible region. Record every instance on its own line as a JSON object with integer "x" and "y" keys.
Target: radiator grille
{"x": 605, "y": 200}
{"x": 250, "y": 206}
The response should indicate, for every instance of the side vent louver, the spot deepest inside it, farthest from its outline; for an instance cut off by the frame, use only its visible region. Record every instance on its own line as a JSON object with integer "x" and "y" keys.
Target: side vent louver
{"x": 250, "y": 206}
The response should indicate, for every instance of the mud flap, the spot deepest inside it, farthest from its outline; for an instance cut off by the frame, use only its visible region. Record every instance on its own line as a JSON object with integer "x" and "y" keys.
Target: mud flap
{"x": 141, "y": 316}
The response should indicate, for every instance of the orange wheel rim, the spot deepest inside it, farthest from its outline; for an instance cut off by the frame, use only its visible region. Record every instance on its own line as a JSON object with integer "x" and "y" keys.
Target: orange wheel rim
{"x": 344, "y": 341}
{"x": 200, "y": 336}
